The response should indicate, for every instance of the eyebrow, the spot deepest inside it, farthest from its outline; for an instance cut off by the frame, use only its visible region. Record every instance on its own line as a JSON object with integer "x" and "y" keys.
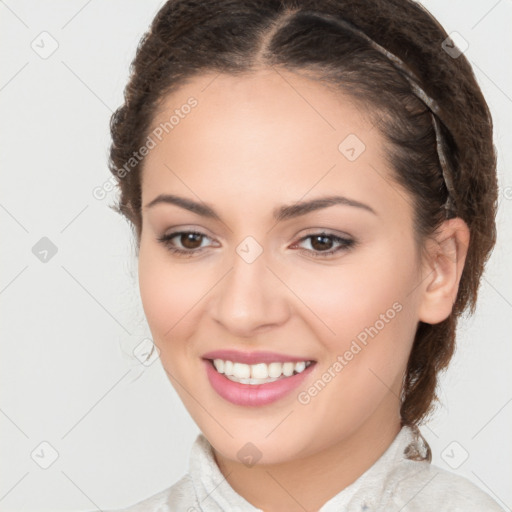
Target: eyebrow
{"x": 281, "y": 213}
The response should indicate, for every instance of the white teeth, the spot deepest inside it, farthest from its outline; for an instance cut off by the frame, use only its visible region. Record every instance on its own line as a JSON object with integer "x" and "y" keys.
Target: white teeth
{"x": 251, "y": 381}
{"x": 300, "y": 366}
{"x": 241, "y": 371}
{"x": 288, "y": 369}
{"x": 275, "y": 369}
{"x": 258, "y": 373}
{"x": 228, "y": 367}
{"x": 219, "y": 365}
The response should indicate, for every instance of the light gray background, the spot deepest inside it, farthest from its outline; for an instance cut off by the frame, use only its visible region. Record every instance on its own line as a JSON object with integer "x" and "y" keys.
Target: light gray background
{"x": 69, "y": 325}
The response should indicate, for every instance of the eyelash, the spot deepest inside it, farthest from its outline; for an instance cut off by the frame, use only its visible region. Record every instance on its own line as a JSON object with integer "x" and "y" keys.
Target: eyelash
{"x": 345, "y": 244}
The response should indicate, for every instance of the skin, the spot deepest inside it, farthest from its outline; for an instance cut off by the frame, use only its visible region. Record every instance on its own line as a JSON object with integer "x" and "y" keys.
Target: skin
{"x": 254, "y": 143}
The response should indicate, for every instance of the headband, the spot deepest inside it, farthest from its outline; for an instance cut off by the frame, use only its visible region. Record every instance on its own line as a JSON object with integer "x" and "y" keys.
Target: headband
{"x": 435, "y": 111}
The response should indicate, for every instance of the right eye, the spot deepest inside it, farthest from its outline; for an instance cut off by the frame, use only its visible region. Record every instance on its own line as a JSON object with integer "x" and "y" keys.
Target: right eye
{"x": 188, "y": 241}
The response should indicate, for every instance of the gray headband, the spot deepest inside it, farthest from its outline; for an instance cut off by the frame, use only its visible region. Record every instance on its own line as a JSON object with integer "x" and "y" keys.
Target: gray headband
{"x": 432, "y": 105}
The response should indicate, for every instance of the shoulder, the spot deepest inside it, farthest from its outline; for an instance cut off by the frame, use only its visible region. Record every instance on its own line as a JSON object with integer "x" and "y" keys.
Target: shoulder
{"x": 422, "y": 486}
{"x": 180, "y": 497}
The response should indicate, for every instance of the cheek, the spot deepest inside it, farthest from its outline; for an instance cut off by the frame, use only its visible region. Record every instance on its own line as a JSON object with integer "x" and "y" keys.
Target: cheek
{"x": 364, "y": 313}
{"x": 168, "y": 295}
{"x": 362, "y": 364}
{"x": 345, "y": 299}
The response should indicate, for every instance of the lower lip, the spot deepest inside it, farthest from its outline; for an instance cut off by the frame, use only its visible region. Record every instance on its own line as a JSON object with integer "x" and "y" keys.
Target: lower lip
{"x": 253, "y": 395}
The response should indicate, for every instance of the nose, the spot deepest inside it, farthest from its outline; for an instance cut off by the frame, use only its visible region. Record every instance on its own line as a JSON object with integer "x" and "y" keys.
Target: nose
{"x": 250, "y": 298}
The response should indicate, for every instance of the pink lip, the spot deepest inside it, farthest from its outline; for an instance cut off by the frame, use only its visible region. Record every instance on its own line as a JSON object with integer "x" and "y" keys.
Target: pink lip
{"x": 253, "y": 395}
{"x": 252, "y": 357}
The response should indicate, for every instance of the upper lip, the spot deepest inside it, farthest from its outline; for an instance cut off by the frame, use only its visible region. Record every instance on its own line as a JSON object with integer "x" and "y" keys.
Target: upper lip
{"x": 253, "y": 357}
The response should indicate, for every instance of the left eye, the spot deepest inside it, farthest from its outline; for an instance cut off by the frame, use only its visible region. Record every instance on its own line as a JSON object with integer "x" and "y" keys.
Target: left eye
{"x": 321, "y": 243}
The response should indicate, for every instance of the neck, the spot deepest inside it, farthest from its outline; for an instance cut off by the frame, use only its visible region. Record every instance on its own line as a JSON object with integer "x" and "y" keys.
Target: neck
{"x": 308, "y": 483}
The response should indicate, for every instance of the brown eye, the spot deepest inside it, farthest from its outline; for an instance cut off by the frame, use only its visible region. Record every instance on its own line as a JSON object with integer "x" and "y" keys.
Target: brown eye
{"x": 189, "y": 240}
{"x": 185, "y": 243}
{"x": 326, "y": 244}
{"x": 321, "y": 242}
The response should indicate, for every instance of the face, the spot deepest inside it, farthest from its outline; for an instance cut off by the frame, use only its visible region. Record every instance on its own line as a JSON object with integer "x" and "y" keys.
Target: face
{"x": 333, "y": 283}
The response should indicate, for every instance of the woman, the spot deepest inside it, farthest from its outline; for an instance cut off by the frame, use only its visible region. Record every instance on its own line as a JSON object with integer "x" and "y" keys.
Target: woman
{"x": 312, "y": 189}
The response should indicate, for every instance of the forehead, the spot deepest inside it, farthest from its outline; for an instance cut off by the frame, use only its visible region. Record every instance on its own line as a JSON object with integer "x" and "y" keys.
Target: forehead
{"x": 272, "y": 131}
{"x": 269, "y": 106}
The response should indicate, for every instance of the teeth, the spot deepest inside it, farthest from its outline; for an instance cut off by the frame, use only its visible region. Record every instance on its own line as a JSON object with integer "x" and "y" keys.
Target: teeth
{"x": 300, "y": 366}
{"x": 258, "y": 373}
{"x": 241, "y": 371}
{"x": 288, "y": 369}
{"x": 275, "y": 369}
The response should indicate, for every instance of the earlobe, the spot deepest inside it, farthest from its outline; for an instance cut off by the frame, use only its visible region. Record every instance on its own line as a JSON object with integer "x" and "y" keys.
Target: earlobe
{"x": 442, "y": 270}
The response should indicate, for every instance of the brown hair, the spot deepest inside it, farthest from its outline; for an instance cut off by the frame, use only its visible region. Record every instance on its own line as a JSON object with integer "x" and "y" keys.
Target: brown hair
{"x": 190, "y": 37}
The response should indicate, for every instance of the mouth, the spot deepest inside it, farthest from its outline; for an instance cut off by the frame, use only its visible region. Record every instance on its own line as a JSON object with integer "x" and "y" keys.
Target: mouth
{"x": 259, "y": 383}
{"x": 259, "y": 373}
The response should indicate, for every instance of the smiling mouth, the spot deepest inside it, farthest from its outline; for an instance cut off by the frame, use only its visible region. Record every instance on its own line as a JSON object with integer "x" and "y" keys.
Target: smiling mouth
{"x": 258, "y": 373}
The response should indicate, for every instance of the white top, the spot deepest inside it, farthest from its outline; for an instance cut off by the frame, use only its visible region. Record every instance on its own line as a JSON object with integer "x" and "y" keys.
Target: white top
{"x": 394, "y": 483}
